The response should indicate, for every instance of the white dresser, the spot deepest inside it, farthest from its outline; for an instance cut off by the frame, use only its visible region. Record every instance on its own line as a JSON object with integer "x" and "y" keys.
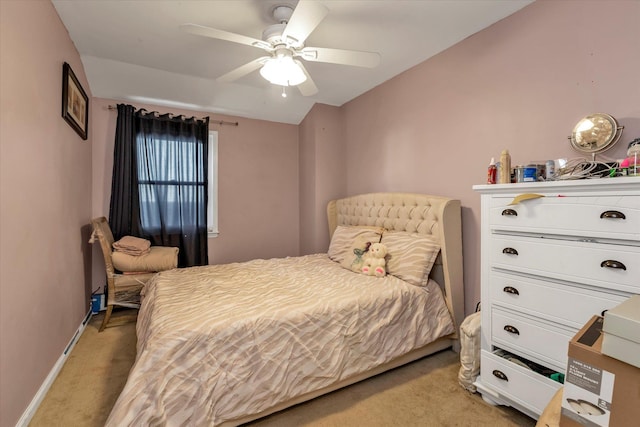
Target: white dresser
{"x": 548, "y": 265}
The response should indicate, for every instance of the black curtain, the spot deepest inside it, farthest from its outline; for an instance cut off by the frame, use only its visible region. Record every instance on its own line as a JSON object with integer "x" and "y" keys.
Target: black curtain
{"x": 160, "y": 181}
{"x": 124, "y": 209}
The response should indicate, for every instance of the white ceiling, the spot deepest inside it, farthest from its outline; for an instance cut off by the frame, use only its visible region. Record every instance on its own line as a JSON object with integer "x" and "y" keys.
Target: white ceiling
{"x": 135, "y": 51}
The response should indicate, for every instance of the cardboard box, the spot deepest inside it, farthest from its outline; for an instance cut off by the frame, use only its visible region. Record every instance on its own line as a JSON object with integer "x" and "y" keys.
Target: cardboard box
{"x": 598, "y": 390}
{"x": 622, "y": 332}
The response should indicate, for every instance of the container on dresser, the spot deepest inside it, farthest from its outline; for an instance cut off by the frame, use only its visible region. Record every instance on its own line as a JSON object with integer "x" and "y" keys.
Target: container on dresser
{"x": 553, "y": 254}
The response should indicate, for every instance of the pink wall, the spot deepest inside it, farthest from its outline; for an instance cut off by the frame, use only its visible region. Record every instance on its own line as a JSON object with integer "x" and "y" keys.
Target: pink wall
{"x": 257, "y": 188}
{"x": 257, "y": 191}
{"x": 45, "y": 187}
{"x": 322, "y": 174}
{"x": 521, "y": 84}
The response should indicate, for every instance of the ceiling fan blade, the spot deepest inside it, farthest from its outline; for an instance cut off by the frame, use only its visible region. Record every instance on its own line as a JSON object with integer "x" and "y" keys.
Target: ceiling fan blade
{"x": 340, "y": 56}
{"x": 307, "y": 87}
{"x": 214, "y": 33}
{"x": 305, "y": 18}
{"x": 243, "y": 70}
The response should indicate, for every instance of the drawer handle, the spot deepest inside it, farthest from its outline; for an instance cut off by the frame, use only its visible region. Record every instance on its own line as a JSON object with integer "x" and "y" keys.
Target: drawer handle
{"x": 509, "y": 251}
{"x": 511, "y": 329}
{"x": 500, "y": 375}
{"x": 510, "y": 212}
{"x": 613, "y": 214}
{"x": 613, "y": 264}
{"x": 511, "y": 290}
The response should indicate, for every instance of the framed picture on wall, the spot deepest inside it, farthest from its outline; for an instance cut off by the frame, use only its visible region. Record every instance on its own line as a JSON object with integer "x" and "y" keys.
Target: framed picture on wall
{"x": 75, "y": 103}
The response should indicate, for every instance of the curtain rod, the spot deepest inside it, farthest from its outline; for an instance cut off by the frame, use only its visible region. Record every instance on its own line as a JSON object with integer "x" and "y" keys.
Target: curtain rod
{"x": 218, "y": 122}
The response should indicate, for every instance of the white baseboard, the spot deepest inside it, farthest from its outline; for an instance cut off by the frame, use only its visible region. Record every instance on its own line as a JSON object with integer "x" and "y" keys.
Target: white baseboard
{"x": 25, "y": 419}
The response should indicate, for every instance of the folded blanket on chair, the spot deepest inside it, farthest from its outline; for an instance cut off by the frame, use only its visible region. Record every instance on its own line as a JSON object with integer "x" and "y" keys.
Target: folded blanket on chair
{"x": 131, "y": 245}
{"x": 159, "y": 258}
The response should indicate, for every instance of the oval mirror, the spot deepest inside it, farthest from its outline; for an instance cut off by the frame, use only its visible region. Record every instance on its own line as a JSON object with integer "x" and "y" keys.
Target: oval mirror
{"x": 595, "y": 133}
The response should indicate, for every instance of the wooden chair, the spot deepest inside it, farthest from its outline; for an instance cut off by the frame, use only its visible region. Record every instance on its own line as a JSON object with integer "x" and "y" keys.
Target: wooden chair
{"x": 122, "y": 289}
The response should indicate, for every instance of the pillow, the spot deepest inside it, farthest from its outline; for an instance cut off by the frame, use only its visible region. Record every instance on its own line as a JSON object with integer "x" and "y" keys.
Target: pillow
{"x": 348, "y": 242}
{"x": 410, "y": 256}
{"x": 159, "y": 258}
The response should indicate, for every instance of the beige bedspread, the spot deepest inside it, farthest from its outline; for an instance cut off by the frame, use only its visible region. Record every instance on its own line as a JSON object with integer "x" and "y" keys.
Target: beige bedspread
{"x": 220, "y": 342}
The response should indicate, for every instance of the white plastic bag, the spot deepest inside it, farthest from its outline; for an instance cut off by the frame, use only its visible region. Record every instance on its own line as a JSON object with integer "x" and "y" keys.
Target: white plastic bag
{"x": 469, "y": 351}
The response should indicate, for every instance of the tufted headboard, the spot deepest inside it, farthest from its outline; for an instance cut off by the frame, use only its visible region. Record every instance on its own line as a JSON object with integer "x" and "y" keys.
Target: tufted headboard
{"x": 437, "y": 216}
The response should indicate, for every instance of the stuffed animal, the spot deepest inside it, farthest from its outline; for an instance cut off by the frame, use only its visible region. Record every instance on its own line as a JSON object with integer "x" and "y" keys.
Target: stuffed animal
{"x": 360, "y": 253}
{"x": 374, "y": 261}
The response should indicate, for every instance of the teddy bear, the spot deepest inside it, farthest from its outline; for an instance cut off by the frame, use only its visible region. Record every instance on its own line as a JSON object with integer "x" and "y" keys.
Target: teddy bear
{"x": 374, "y": 261}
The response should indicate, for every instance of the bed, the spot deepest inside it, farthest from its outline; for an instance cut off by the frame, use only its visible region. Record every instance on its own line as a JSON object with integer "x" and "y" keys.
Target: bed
{"x": 228, "y": 344}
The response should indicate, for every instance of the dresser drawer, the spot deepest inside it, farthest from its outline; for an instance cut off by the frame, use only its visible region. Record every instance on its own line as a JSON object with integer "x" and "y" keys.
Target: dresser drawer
{"x": 580, "y": 262}
{"x": 542, "y": 341}
{"x": 612, "y": 217}
{"x": 527, "y": 388}
{"x": 560, "y": 303}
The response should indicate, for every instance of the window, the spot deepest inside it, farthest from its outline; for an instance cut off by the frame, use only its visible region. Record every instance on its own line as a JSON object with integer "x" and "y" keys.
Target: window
{"x": 212, "y": 206}
{"x": 176, "y": 178}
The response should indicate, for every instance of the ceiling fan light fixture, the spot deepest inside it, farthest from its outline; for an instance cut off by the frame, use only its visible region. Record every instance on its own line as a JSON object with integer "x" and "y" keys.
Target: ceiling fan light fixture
{"x": 283, "y": 71}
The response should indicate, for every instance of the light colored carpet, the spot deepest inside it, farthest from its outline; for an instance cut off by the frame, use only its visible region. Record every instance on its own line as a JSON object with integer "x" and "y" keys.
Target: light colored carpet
{"x": 423, "y": 393}
{"x": 92, "y": 377}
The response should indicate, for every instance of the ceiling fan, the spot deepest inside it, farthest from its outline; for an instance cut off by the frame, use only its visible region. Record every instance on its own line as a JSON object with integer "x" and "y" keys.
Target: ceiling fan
{"x": 284, "y": 43}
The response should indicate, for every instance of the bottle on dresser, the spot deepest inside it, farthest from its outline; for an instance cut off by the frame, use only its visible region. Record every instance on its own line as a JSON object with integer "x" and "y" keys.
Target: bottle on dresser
{"x": 505, "y": 167}
{"x": 492, "y": 172}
